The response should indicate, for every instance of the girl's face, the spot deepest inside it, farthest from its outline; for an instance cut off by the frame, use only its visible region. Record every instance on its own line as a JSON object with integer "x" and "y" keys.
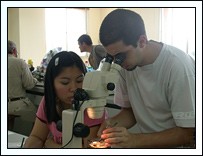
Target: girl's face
{"x": 66, "y": 83}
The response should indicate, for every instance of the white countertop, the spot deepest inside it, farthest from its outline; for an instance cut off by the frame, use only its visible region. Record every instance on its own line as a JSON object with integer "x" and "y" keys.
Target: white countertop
{"x": 15, "y": 139}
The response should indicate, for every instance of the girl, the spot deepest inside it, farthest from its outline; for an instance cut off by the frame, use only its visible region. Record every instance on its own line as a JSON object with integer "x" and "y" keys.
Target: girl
{"x": 65, "y": 73}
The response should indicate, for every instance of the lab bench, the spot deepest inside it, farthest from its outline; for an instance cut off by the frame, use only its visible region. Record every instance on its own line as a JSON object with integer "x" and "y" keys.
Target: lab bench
{"x": 35, "y": 94}
{"x": 15, "y": 140}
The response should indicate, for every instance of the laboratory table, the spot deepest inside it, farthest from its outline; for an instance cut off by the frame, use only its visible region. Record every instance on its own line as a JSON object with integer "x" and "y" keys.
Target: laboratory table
{"x": 37, "y": 90}
{"x": 35, "y": 94}
{"x": 15, "y": 140}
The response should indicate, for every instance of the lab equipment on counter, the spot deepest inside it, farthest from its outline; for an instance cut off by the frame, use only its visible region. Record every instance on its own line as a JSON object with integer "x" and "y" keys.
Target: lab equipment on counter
{"x": 92, "y": 96}
{"x": 88, "y": 67}
{"x": 48, "y": 56}
{"x": 39, "y": 73}
{"x": 30, "y": 65}
{"x": 15, "y": 140}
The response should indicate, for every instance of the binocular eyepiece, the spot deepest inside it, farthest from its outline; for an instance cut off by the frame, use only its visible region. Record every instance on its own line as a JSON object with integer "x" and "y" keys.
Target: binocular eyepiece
{"x": 119, "y": 58}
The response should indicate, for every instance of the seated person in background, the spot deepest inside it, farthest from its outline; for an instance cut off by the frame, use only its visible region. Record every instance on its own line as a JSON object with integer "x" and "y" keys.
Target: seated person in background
{"x": 19, "y": 79}
{"x": 65, "y": 73}
{"x": 97, "y": 52}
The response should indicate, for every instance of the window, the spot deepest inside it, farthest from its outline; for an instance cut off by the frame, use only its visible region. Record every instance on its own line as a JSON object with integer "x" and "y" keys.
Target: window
{"x": 63, "y": 28}
{"x": 178, "y": 28}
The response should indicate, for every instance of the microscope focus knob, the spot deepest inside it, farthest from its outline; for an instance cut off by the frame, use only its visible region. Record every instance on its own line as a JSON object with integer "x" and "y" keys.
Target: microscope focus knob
{"x": 110, "y": 86}
{"x": 81, "y": 130}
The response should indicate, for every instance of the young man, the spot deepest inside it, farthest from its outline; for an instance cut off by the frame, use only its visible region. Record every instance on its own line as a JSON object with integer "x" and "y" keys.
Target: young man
{"x": 97, "y": 52}
{"x": 156, "y": 89}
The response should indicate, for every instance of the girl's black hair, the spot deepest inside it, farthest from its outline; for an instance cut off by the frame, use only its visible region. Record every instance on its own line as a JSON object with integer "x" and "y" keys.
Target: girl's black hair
{"x": 54, "y": 68}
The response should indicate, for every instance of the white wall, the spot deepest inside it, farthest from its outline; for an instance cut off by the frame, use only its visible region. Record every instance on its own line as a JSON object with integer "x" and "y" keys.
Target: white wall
{"x": 151, "y": 17}
{"x": 32, "y": 34}
{"x": 94, "y": 21}
{"x": 13, "y": 26}
{"x": 26, "y": 27}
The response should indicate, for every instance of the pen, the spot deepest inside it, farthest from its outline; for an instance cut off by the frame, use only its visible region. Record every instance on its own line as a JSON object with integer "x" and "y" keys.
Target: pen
{"x": 21, "y": 146}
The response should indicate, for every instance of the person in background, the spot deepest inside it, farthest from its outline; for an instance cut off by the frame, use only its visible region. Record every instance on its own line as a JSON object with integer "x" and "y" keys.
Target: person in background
{"x": 19, "y": 80}
{"x": 156, "y": 89}
{"x": 97, "y": 52}
{"x": 65, "y": 73}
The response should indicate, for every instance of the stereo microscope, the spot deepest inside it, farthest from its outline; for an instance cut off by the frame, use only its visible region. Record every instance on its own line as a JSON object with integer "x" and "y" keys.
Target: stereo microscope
{"x": 92, "y": 96}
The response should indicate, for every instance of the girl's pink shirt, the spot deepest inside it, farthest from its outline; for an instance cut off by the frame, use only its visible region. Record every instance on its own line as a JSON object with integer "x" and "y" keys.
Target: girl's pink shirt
{"x": 57, "y": 135}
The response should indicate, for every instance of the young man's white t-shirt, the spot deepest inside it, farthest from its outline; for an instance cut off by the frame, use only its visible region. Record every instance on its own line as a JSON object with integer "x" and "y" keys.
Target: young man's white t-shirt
{"x": 162, "y": 94}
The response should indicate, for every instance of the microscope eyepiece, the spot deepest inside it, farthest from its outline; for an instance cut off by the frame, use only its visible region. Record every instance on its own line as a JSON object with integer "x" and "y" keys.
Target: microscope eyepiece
{"x": 119, "y": 58}
{"x": 81, "y": 95}
{"x": 109, "y": 58}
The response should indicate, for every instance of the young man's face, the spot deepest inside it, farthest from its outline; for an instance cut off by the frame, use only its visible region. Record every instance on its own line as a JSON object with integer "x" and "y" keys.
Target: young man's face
{"x": 82, "y": 47}
{"x": 132, "y": 54}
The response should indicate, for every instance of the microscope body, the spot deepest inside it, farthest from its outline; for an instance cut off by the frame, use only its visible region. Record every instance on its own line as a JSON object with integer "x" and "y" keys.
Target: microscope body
{"x": 97, "y": 85}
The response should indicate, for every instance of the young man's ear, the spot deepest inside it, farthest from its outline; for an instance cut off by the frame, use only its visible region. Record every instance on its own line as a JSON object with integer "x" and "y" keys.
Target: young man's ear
{"x": 142, "y": 41}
